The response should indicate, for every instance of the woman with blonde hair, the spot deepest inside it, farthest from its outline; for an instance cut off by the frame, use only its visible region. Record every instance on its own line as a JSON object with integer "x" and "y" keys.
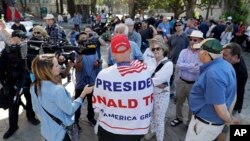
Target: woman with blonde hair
{"x": 39, "y": 31}
{"x": 38, "y": 34}
{"x": 50, "y": 98}
{"x": 227, "y": 35}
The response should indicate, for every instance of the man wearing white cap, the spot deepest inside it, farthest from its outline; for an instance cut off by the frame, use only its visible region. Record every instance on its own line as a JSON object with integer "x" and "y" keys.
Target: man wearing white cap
{"x": 52, "y": 28}
{"x": 188, "y": 65}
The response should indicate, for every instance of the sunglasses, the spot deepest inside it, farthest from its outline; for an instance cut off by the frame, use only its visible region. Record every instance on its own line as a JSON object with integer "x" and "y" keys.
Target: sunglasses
{"x": 193, "y": 40}
{"x": 37, "y": 32}
{"x": 156, "y": 49}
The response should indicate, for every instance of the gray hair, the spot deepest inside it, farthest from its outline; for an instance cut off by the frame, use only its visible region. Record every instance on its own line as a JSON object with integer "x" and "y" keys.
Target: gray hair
{"x": 121, "y": 29}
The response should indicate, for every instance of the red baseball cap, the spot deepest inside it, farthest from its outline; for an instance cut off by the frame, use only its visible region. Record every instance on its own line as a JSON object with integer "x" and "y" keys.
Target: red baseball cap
{"x": 120, "y": 43}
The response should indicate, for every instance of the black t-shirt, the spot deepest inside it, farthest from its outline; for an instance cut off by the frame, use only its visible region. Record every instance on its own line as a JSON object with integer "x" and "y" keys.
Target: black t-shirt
{"x": 217, "y": 30}
{"x": 20, "y": 27}
{"x": 146, "y": 34}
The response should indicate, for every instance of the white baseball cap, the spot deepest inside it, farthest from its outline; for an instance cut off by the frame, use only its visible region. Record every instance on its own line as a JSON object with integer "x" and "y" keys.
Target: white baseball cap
{"x": 229, "y": 18}
{"x": 49, "y": 16}
{"x": 196, "y": 33}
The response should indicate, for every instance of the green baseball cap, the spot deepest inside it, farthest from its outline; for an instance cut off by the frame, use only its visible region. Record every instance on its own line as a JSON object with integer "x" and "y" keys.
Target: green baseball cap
{"x": 211, "y": 45}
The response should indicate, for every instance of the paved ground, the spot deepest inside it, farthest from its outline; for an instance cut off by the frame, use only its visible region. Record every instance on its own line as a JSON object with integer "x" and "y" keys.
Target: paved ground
{"x": 28, "y": 132}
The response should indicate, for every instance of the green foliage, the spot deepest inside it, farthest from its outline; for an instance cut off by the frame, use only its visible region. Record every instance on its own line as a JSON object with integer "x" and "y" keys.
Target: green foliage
{"x": 240, "y": 12}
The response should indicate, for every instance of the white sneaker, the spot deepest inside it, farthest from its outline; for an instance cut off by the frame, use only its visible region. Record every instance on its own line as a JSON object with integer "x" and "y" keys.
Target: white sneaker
{"x": 148, "y": 136}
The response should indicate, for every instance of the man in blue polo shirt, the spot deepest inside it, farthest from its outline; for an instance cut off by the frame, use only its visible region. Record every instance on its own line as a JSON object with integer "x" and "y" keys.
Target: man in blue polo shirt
{"x": 213, "y": 95}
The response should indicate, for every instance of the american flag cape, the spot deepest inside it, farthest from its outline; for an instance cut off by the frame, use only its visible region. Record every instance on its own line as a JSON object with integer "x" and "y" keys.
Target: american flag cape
{"x": 134, "y": 67}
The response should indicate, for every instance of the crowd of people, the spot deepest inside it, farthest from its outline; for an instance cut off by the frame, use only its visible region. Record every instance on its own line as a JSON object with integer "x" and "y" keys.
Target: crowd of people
{"x": 149, "y": 60}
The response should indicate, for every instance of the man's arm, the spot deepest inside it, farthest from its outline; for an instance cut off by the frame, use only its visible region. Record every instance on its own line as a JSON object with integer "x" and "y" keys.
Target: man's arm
{"x": 78, "y": 63}
{"x": 154, "y": 30}
{"x": 224, "y": 113}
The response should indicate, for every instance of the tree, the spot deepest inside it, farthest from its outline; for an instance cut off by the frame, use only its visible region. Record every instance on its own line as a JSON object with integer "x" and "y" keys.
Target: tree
{"x": 61, "y": 6}
{"x": 131, "y": 8}
{"x": 237, "y": 9}
{"x": 136, "y": 6}
{"x": 177, "y": 6}
{"x": 190, "y": 5}
{"x": 57, "y": 6}
{"x": 71, "y": 6}
{"x": 92, "y": 6}
{"x": 208, "y": 5}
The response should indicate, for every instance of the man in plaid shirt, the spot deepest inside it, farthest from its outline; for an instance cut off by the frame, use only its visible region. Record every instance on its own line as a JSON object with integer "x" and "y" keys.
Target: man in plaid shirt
{"x": 53, "y": 30}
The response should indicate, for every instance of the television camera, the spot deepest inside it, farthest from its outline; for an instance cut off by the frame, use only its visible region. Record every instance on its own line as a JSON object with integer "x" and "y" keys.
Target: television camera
{"x": 63, "y": 48}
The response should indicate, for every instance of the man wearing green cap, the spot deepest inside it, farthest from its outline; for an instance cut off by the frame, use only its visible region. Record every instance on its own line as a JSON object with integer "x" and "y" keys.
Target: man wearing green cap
{"x": 213, "y": 95}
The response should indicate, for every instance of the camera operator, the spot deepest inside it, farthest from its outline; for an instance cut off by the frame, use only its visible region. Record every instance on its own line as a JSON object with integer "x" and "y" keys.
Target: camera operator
{"x": 94, "y": 37}
{"x": 14, "y": 73}
{"x": 86, "y": 69}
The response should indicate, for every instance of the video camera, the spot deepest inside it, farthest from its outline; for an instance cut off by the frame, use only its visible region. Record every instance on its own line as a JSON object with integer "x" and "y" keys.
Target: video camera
{"x": 67, "y": 56}
{"x": 87, "y": 47}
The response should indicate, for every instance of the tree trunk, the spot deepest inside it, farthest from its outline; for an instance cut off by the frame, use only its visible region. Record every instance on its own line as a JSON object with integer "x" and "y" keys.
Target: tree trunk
{"x": 177, "y": 8}
{"x": 25, "y": 5}
{"x": 61, "y": 6}
{"x": 71, "y": 7}
{"x": 208, "y": 8}
{"x": 57, "y": 6}
{"x": 131, "y": 8}
{"x": 92, "y": 6}
{"x": 190, "y": 6}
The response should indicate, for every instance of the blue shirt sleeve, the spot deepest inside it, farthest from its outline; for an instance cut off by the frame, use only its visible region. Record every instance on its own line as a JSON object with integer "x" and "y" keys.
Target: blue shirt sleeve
{"x": 64, "y": 102}
{"x": 137, "y": 54}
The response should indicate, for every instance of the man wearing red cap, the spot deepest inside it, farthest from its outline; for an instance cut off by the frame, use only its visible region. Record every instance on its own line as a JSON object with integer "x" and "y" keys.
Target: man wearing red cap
{"x": 123, "y": 96}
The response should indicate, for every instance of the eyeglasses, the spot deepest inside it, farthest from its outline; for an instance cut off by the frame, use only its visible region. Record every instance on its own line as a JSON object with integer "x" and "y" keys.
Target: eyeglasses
{"x": 178, "y": 25}
{"x": 156, "y": 49}
{"x": 193, "y": 40}
{"x": 37, "y": 32}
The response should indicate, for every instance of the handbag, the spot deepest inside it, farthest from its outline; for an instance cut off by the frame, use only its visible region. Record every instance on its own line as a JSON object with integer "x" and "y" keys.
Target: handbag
{"x": 71, "y": 130}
